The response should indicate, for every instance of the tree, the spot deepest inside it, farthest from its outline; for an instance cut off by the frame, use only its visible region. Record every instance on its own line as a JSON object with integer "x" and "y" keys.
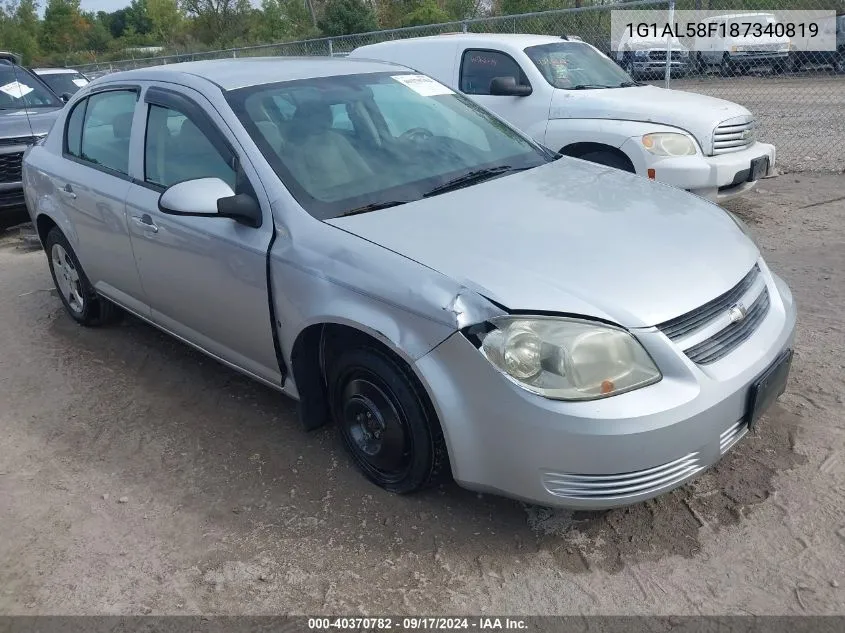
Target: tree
{"x": 98, "y": 37}
{"x": 63, "y": 30}
{"x": 138, "y": 17}
{"x": 166, "y": 20}
{"x": 426, "y": 13}
{"x": 344, "y": 17}
{"x": 19, "y": 29}
{"x": 218, "y": 22}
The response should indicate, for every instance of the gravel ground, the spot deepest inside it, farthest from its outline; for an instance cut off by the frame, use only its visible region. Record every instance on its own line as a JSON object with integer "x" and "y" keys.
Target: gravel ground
{"x": 136, "y": 476}
{"x": 801, "y": 114}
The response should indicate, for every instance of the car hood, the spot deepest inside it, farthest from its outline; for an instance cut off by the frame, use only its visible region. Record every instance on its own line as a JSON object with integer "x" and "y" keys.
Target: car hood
{"x": 697, "y": 114}
{"x": 572, "y": 237}
{"x": 15, "y": 123}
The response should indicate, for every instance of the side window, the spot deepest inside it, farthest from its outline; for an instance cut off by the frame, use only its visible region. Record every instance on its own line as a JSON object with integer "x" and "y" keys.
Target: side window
{"x": 480, "y": 67}
{"x": 106, "y": 129}
{"x": 73, "y": 132}
{"x": 175, "y": 149}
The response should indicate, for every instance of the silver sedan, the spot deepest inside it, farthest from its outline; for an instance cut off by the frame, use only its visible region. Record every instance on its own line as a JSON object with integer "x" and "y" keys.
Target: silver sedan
{"x": 453, "y": 297}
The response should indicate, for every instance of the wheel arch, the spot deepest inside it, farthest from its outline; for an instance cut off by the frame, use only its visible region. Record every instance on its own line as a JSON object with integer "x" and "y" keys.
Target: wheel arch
{"x": 579, "y": 149}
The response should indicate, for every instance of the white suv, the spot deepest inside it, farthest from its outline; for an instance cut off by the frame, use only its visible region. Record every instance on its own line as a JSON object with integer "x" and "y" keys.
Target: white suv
{"x": 572, "y": 98}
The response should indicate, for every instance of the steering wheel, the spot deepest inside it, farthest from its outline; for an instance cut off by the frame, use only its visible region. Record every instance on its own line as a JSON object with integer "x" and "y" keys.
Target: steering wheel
{"x": 417, "y": 135}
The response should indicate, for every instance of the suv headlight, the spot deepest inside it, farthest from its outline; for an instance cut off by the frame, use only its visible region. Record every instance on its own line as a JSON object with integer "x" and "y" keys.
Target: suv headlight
{"x": 567, "y": 359}
{"x": 669, "y": 144}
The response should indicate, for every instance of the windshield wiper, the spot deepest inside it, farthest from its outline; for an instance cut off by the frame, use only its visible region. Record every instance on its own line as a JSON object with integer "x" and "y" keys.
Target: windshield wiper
{"x": 471, "y": 178}
{"x": 588, "y": 87}
{"x": 630, "y": 84}
{"x": 374, "y": 206}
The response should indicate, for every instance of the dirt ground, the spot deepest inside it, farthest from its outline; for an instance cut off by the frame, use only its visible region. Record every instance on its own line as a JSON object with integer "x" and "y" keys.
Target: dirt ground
{"x": 136, "y": 476}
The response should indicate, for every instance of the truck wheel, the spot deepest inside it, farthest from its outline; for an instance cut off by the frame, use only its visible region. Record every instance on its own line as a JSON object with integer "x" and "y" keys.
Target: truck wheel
{"x": 385, "y": 420}
{"x": 610, "y": 159}
{"x": 80, "y": 299}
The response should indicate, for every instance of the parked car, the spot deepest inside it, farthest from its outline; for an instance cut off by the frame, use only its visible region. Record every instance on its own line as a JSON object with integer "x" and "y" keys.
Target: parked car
{"x": 27, "y": 111}
{"x": 63, "y": 81}
{"x": 735, "y": 55}
{"x": 575, "y": 100}
{"x": 454, "y": 297}
{"x": 802, "y": 51}
{"x": 644, "y": 56}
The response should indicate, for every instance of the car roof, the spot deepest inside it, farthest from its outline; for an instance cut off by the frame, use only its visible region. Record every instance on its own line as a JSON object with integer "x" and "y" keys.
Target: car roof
{"x": 519, "y": 40}
{"x": 54, "y": 71}
{"x": 231, "y": 74}
{"x": 730, "y": 16}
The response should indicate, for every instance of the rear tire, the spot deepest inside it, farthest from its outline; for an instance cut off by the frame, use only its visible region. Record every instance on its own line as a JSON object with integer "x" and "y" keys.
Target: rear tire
{"x": 385, "y": 420}
{"x": 610, "y": 159}
{"x": 80, "y": 299}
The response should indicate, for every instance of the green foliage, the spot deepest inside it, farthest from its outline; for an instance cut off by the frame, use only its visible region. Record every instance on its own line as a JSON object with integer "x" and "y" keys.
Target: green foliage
{"x": 344, "y": 17}
{"x": 426, "y": 13}
{"x": 63, "y": 29}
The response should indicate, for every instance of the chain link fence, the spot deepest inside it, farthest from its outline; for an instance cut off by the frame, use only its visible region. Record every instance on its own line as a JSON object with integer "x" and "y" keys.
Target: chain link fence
{"x": 796, "y": 92}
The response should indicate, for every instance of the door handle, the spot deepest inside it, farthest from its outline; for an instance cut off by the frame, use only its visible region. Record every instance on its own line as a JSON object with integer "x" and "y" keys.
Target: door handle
{"x": 145, "y": 222}
{"x": 68, "y": 191}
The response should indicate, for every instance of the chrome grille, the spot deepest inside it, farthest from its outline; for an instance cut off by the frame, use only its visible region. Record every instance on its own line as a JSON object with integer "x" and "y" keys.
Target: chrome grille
{"x": 10, "y": 167}
{"x": 712, "y": 331}
{"x": 608, "y": 487}
{"x": 18, "y": 140}
{"x": 727, "y": 339}
{"x": 734, "y": 135}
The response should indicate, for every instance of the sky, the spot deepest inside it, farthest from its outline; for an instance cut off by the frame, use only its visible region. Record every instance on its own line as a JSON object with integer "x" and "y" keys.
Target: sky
{"x": 103, "y": 5}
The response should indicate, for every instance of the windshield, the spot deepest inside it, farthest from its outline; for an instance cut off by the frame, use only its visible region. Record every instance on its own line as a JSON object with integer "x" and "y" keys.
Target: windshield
{"x": 18, "y": 89}
{"x": 62, "y": 83}
{"x": 354, "y": 142}
{"x": 570, "y": 65}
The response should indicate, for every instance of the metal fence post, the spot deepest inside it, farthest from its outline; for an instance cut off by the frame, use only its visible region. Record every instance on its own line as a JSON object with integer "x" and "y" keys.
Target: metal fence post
{"x": 331, "y": 48}
{"x": 669, "y": 43}
{"x": 463, "y": 27}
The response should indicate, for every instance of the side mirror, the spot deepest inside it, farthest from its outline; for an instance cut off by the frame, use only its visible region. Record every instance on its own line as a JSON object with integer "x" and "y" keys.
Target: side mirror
{"x": 65, "y": 97}
{"x": 210, "y": 197}
{"x": 507, "y": 87}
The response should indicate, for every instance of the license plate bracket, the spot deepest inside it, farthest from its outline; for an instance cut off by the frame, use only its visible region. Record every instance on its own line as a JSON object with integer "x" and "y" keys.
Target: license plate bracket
{"x": 768, "y": 387}
{"x": 759, "y": 168}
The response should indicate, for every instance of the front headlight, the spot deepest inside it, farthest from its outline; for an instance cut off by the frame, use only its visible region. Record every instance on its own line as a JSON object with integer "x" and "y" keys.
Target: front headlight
{"x": 669, "y": 144}
{"x": 567, "y": 359}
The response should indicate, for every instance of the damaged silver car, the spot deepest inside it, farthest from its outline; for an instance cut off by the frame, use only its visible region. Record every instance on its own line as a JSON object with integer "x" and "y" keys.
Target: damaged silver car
{"x": 453, "y": 297}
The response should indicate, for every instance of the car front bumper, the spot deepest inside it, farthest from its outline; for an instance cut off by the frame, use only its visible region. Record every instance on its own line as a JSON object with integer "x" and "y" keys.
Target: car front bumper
{"x": 717, "y": 178}
{"x": 619, "y": 450}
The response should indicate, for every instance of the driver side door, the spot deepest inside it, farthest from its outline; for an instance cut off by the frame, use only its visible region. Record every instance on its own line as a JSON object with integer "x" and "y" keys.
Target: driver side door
{"x": 478, "y": 67}
{"x": 205, "y": 278}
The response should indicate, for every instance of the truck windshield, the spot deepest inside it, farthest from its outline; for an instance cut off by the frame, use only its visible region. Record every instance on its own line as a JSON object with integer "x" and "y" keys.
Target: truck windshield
{"x": 19, "y": 89}
{"x": 572, "y": 65}
{"x": 357, "y": 143}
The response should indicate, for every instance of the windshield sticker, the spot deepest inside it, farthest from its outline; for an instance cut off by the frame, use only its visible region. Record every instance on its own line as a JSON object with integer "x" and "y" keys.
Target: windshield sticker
{"x": 15, "y": 89}
{"x": 422, "y": 85}
{"x": 79, "y": 82}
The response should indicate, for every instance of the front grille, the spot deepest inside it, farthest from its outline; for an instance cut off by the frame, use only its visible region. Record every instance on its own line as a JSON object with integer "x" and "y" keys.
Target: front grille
{"x": 734, "y": 135}
{"x": 658, "y": 55}
{"x": 18, "y": 140}
{"x": 726, "y": 340}
{"x": 710, "y": 332}
{"x": 622, "y": 485}
{"x": 10, "y": 167}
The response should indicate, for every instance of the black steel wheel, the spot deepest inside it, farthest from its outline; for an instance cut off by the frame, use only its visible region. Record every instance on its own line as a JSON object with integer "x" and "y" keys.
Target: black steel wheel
{"x": 385, "y": 420}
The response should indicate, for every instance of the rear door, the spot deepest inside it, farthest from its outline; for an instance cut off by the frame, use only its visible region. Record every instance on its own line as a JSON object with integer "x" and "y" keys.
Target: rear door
{"x": 205, "y": 277}
{"x": 92, "y": 183}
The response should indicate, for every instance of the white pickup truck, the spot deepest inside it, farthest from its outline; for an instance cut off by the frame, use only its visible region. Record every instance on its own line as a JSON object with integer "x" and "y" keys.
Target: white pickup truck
{"x": 572, "y": 98}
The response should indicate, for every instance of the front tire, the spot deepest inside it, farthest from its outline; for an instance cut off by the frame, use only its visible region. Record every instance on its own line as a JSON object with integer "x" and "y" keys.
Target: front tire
{"x": 385, "y": 420}
{"x": 78, "y": 296}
